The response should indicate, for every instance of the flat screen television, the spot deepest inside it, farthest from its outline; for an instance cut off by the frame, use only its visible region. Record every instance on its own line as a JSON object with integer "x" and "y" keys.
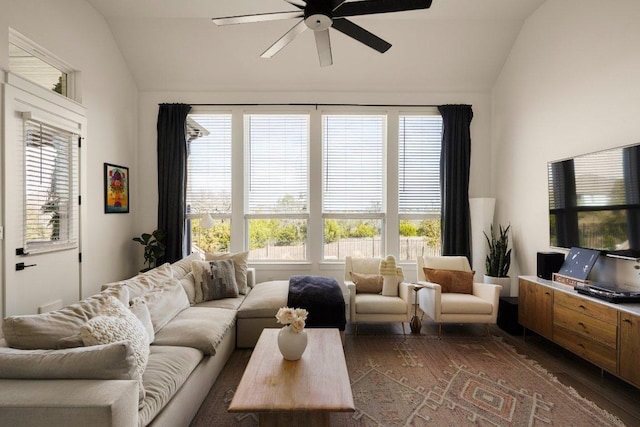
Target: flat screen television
{"x": 594, "y": 202}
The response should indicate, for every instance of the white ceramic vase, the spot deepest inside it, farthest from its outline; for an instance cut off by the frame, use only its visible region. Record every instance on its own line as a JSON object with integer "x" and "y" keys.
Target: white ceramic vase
{"x": 505, "y": 282}
{"x": 292, "y": 344}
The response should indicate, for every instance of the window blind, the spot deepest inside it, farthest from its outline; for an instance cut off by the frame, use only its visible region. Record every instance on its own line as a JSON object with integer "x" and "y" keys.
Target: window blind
{"x": 353, "y": 164}
{"x": 419, "y": 143}
{"x": 209, "y": 164}
{"x": 600, "y": 179}
{"x": 278, "y": 163}
{"x": 51, "y": 187}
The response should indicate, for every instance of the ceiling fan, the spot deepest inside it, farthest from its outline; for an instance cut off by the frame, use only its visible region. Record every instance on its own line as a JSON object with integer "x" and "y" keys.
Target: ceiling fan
{"x": 320, "y": 15}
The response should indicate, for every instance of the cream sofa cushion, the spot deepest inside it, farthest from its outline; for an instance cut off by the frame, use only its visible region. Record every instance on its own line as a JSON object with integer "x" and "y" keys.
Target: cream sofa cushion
{"x": 226, "y": 303}
{"x": 48, "y": 330}
{"x": 114, "y": 361}
{"x": 197, "y": 327}
{"x": 265, "y": 299}
{"x": 167, "y": 371}
{"x": 143, "y": 283}
{"x": 183, "y": 267}
{"x": 464, "y": 304}
{"x": 165, "y": 300}
{"x": 380, "y": 304}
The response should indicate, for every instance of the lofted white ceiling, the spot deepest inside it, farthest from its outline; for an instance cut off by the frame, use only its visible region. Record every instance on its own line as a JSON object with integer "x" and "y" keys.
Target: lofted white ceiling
{"x": 455, "y": 45}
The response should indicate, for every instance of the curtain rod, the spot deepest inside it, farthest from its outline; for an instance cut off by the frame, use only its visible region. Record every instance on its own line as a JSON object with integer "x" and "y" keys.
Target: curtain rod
{"x": 313, "y": 105}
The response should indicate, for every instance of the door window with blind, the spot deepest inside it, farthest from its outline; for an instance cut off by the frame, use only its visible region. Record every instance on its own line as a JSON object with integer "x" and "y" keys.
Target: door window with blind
{"x": 278, "y": 186}
{"x": 419, "y": 143}
{"x": 208, "y": 198}
{"x": 51, "y": 188}
{"x": 353, "y": 208}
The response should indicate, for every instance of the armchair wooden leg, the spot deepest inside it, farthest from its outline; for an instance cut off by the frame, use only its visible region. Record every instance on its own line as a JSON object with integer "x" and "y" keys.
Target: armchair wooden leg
{"x": 404, "y": 332}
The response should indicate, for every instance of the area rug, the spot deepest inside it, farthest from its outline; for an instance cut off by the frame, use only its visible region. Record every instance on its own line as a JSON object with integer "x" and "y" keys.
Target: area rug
{"x": 425, "y": 381}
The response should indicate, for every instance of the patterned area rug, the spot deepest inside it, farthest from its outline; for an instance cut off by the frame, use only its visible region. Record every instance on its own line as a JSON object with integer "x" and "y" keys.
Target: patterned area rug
{"x": 425, "y": 381}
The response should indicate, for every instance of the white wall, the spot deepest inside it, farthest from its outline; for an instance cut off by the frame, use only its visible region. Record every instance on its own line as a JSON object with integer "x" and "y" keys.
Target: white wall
{"x": 480, "y": 152}
{"x": 75, "y": 32}
{"x": 571, "y": 85}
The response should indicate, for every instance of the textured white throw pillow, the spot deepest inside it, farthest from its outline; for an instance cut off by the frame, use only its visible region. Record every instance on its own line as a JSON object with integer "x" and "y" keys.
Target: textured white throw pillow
{"x": 118, "y": 323}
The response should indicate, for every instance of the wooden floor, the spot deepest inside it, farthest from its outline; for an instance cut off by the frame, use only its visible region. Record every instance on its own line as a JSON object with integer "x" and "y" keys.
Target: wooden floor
{"x": 607, "y": 391}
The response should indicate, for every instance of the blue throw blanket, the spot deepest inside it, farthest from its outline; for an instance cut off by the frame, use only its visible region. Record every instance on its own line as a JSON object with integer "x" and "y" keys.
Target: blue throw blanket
{"x": 321, "y": 297}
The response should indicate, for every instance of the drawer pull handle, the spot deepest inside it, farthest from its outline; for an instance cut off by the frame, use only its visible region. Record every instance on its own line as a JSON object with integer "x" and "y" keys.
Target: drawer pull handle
{"x": 626, "y": 320}
{"x": 582, "y": 307}
{"x": 582, "y": 324}
{"x": 581, "y": 345}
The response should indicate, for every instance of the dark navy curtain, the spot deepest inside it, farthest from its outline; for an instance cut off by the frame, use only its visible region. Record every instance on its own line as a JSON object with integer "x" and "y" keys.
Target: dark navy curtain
{"x": 172, "y": 178}
{"x": 455, "y": 161}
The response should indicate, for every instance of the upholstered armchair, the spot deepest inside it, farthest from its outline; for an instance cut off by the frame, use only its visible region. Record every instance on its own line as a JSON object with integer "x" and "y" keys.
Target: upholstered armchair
{"x": 478, "y": 306}
{"x": 370, "y": 306}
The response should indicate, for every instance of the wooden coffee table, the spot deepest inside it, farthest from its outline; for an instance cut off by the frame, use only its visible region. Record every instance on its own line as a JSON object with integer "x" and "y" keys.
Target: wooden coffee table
{"x": 295, "y": 393}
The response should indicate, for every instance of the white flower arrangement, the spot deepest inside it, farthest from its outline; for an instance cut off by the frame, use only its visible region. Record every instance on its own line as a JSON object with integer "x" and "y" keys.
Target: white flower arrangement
{"x": 293, "y": 318}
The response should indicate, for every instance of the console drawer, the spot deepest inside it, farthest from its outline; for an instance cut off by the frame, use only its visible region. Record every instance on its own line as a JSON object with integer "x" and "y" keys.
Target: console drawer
{"x": 589, "y": 308}
{"x": 603, "y": 356}
{"x": 585, "y": 326}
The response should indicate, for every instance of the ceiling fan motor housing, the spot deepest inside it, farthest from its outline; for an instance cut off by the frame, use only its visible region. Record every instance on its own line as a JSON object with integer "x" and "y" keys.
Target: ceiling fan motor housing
{"x": 318, "y": 14}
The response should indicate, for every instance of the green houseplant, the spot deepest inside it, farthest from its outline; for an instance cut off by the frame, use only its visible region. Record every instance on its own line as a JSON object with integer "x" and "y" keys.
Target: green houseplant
{"x": 498, "y": 259}
{"x": 153, "y": 248}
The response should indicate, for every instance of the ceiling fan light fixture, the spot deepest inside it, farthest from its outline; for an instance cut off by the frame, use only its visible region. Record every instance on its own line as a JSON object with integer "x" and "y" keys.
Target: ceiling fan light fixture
{"x": 318, "y": 22}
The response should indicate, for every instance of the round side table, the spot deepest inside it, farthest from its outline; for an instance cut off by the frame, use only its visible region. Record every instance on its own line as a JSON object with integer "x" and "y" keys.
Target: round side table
{"x": 416, "y": 322}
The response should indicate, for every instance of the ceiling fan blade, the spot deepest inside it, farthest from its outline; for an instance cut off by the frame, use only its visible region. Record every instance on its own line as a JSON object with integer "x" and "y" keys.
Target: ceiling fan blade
{"x": 363, "y": 36}
{"x": 260, "y": 17}
{"x": 323, "y": 44}
{"x": 368, "y": 7}
{"x": 300, "y": 4}
{"x": 285, "y": 40}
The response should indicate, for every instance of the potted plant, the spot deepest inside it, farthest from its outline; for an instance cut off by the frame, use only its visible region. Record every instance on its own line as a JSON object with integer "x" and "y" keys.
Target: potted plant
{"x": 153, "y": 248}
{"x": 498, "y": 260}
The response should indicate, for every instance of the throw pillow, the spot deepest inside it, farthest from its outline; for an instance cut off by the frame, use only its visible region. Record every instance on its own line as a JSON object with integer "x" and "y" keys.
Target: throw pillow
{"x": 217, "y": 279}
{"x": 140, "y": 309}
{"x": 367, "y": 283}
{"x": 188, "y": 283}
{"x": 388, "y": 270}
{"x": 119, "y": 324}
{"x": 240, "y": 264}
{"x": 45, "y": 331}
{"x": 114, "y": 361}
{"x": 451, "y": 281}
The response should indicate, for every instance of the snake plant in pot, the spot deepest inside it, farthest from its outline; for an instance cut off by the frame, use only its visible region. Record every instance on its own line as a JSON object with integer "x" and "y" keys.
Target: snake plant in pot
{"x": 498, "y": 260}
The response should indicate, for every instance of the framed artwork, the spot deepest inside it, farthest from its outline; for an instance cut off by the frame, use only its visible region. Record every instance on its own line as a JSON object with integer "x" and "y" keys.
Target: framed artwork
{"x": 116, "y": 189}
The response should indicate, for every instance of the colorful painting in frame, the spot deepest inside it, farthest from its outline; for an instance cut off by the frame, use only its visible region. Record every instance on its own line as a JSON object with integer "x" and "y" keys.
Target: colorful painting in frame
{"x": 116, "y": 189}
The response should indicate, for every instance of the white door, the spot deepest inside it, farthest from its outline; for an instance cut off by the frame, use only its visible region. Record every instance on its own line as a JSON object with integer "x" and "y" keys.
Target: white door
{"x": 48, "y": 275}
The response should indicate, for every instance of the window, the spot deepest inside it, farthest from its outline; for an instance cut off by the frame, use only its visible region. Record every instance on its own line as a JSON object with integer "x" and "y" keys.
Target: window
{"x": 419, "y": 143}
{"x": 51, "y": 187}
{"x": 353, "y": 184}
{"x": 375, "y": 180}
{"x": 35, "y": 64}
{"x": 277, "y": 169}
{"x": 209, "y": 182}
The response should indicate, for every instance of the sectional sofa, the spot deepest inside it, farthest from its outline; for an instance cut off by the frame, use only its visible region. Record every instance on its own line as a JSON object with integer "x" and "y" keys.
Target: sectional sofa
{"x": 49, "y": 378}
